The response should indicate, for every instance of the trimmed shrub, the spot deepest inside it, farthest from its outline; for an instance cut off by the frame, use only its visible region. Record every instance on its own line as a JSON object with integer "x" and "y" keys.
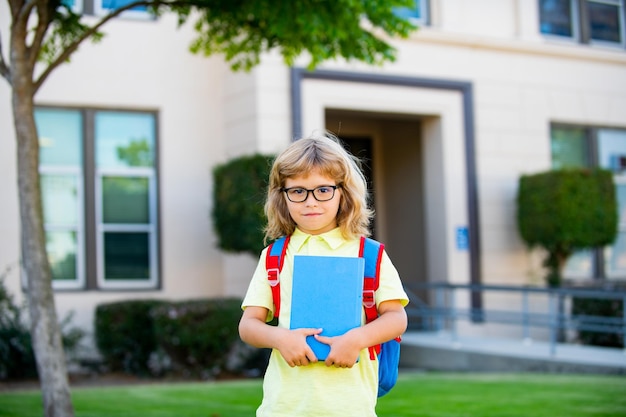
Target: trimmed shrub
{"x": 582, "y": 308}
{"x": 198, "y": 335}
{"x": 564, "y": 211}
{"x": 124, "y": 333}
{"x": 239, "y": 197}
{"x": 17, "y": 358}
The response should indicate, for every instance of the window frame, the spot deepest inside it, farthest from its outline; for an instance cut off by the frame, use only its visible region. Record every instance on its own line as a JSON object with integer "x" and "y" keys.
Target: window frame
{"x": 581, "y": 26}
{"x": 99, "y": 10}
{"x": 90, "y": 234}
{"x": 94, "y": 8}
{"x": 79, "y": 229}
{"x": 150, "y": 228}
{"x": 599, "y": 255}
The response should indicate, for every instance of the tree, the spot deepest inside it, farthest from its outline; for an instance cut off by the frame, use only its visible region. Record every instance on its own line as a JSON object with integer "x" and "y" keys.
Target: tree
{"x": 564, "y": 211}
{"x": 48, "y": 32}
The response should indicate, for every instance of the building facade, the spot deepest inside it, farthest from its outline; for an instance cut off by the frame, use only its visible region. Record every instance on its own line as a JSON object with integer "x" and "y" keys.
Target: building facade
{"x": 484, "y": 92}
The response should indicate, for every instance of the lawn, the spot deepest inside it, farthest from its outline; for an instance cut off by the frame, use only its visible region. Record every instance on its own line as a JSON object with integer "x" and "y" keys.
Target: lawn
{"x": 417, "y": 394}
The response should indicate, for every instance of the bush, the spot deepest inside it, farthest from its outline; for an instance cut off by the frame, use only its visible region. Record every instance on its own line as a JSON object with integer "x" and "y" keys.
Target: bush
{"x": 124, "y": 333}
{"x": 17, "y": 358}
{"x": 585, "y": 307}
{"x": 239, "y": 197}
{"x": 198, "y": 335}
{"x": 564, "y": 211}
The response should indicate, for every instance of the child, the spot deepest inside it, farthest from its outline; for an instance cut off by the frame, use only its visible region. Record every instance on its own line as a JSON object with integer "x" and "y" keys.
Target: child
{"x": 318, "y": 195}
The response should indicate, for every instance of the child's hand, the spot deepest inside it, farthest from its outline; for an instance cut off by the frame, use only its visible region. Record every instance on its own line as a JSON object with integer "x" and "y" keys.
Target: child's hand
{"x": 344, "y": 350}
{"x": 294, "y": 348}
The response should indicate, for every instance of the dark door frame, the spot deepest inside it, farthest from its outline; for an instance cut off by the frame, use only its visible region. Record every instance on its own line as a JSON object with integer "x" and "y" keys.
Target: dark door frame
{"x": 466, "y": 90}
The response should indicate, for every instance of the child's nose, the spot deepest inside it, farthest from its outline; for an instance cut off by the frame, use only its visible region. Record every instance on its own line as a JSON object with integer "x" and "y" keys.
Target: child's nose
{"x": 310, "y": 199}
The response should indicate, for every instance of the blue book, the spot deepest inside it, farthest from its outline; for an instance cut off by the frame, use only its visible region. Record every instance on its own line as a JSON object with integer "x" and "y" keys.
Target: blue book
{"x": 328, "y": 294}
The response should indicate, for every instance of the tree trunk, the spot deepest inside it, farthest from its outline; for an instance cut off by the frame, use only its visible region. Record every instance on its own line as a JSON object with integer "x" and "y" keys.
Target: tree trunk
{"x": 45, "y": 330}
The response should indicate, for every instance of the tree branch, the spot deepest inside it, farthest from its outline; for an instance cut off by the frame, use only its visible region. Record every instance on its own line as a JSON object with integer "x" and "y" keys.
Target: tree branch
{"x": 24, "y": 11}
{"x": 4, "y": 68}
{"x": 72, "y": 47}
{"x": 20, "y": 14}
{"x": 14, "y": 5}
{"x": 43, "y": 23}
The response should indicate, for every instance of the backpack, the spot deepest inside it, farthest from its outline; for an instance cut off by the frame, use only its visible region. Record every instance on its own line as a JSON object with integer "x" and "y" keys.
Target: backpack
{"x": 388, "y": 353}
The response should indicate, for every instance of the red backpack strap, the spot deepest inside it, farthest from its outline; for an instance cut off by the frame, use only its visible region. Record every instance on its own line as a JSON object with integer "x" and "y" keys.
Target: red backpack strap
{"x": 274, "y": 259}
{"x": 372, "y": 252}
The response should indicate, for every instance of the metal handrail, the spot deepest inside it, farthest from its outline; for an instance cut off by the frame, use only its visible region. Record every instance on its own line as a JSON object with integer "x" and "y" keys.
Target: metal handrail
{"x": 556, "y": 319}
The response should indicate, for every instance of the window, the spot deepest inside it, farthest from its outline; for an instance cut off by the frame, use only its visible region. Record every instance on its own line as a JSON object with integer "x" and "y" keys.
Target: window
{"x": 99, "y": 193}
{"x": 588, "y": 21}
{"x": 578, "y": 146}
{"x": 417, "y": 13}
{"x": 102, "y": 7}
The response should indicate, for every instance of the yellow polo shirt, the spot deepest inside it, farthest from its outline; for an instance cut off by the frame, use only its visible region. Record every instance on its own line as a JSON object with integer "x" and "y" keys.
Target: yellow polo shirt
{"x": 317, "y": 390}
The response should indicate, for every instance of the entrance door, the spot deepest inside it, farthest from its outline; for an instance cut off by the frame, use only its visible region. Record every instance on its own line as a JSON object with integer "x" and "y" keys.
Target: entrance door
{"x": 390, "y": 148}
{"x": 361, "y": 147}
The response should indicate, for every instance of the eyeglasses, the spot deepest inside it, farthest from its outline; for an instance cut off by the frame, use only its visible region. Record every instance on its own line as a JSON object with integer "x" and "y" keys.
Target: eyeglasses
{"x": 321, "y": 193}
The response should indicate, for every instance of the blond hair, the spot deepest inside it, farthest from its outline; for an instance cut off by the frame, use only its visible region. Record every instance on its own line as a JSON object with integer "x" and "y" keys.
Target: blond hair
{"x": 325, "y": 154}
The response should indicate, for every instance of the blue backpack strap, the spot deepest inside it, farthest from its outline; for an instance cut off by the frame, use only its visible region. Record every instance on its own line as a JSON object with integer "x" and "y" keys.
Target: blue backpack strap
{"x": 274, "y": 260}
{"x": 371, "y": 251}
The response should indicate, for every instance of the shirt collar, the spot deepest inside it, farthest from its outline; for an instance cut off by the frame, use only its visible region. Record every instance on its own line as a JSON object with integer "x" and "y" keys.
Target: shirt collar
{"x": 333, "y": 238}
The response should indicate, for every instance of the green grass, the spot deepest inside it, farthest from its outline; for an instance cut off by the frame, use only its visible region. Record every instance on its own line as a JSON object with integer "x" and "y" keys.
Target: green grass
{"x": 417, "y": 394}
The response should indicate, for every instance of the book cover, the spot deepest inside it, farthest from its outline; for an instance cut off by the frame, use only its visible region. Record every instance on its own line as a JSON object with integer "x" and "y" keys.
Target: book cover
{"x": 327, "y": 293}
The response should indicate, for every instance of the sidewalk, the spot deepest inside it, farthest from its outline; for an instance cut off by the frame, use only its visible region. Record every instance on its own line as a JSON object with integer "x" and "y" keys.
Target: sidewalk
{"x": 439, "y": 351}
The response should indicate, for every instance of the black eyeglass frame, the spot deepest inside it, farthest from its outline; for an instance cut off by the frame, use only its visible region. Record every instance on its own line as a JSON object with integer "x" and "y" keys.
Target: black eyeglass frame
{"x": 312, "y": 191}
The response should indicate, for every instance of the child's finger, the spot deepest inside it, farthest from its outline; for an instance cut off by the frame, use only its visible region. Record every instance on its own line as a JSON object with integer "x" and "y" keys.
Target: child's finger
{"x": 311, "y": 332}
{"x": 310, "y": 355}
{"x": 324, "y": 339}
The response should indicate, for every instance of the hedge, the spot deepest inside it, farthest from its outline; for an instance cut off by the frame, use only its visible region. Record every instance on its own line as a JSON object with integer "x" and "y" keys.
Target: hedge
{"x": 125, "y": 336}
{"x": 198, "y": 335}
{"x": 155, "y": 337}
{"x": 238, "y": 197}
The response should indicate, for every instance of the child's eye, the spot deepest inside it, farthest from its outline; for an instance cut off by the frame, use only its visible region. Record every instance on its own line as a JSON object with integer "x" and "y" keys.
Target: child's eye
{"x": 323, "y": 190}
{"x": 296, "y": 191}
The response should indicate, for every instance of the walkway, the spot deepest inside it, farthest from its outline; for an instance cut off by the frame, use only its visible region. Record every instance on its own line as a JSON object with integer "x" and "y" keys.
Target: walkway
{"x": 439, "y": 351}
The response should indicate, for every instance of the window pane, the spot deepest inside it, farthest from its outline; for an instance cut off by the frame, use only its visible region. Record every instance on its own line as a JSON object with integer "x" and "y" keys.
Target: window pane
{"x": 620, "y": 193}
{"x": 60, "y": 142}
{"x": 124, "y": 139}
{"x": 556, "y": 17}
{"x": 125, "y": 200}
{"x": 61, "y": 248}
{"x": 75, "y": 5}
{"x": 126, "y": 256}
{"x": 414, "y": 12}
{"x": 612, "y": 155}
{"x": 580, "y": 265}
{"x": 60, "y": 199}
{"x": 615, "y": 258}
{"x": 569, "y": 147}
{"x": 604, "y": 22}
{"x": 612, "y": 148}
{"x": 116, "y": 4}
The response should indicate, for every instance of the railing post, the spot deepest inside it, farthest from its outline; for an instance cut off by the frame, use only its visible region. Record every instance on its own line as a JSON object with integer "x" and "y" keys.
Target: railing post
{"x": 624, "y": 323}
{"x": 525, "y": 318}
{"x": 440, "y": 308}
{"x": 553, "y": 322}
{"x": 453, "y": 315}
